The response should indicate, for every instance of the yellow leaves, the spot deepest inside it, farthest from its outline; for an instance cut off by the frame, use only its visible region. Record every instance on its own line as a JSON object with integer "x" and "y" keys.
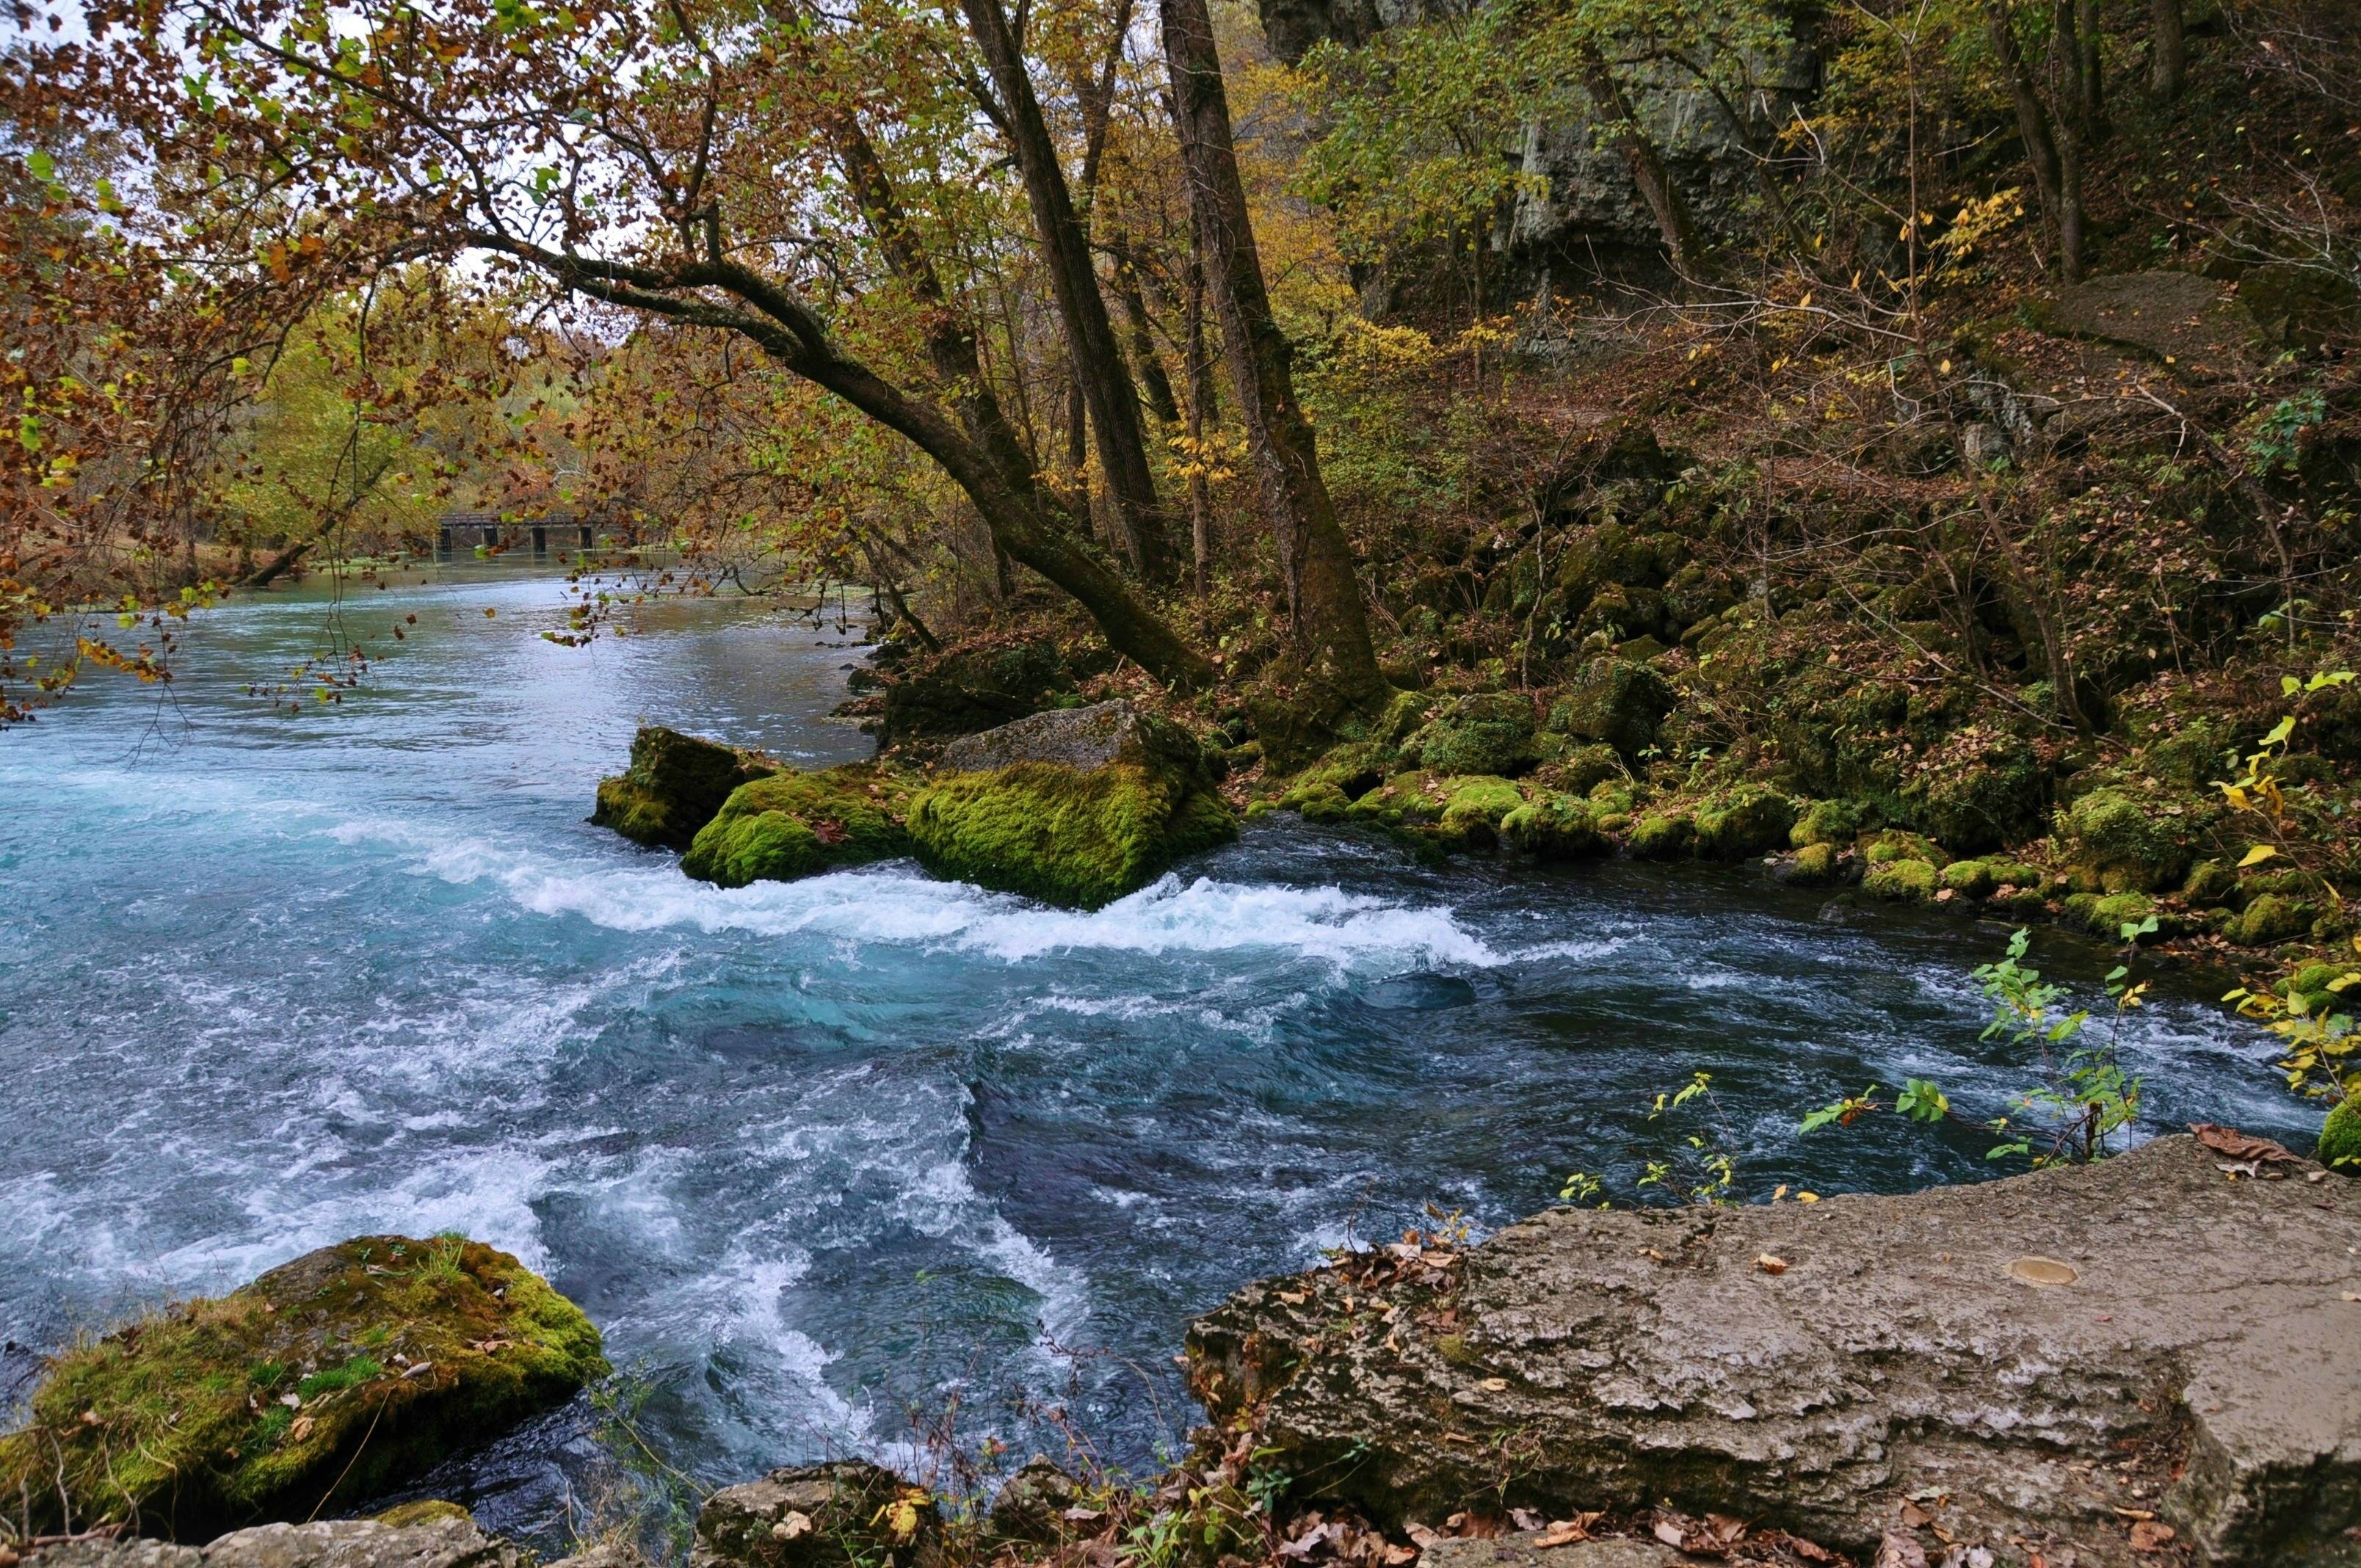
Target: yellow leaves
{"x": 901, "y": 1515}
{"x": 2259, "y": 854}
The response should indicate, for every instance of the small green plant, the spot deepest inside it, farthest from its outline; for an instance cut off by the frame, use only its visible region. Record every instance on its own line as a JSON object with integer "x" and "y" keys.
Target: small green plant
{"x": 2322, "y": 1042}
{"x": 441, "y": 1265}
{"x": 2083, "y": 1098}
{"x": 2258, "y": 793}
{"x": 1699, "y": 1167}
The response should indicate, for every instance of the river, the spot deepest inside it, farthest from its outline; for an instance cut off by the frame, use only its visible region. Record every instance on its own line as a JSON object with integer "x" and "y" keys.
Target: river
{"x": 816, "y": 1156}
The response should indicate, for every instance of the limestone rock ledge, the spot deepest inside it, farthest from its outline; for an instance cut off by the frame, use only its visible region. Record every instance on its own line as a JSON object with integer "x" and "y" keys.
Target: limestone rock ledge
{"x": 1855, "y": 1366}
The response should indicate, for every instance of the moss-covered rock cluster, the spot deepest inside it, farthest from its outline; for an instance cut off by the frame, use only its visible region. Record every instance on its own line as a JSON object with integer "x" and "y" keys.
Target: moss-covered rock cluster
{"x": 674, "y": 787}
{"x": 331, "y": 1379}
{"x": 1075, "y": 806}
{"x": 791, "y": 825}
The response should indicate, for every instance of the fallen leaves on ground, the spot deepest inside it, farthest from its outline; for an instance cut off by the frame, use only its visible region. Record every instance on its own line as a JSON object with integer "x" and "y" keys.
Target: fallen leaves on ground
{"x": 2238, "y": 1145}
{"x": 2149, "y": 1535}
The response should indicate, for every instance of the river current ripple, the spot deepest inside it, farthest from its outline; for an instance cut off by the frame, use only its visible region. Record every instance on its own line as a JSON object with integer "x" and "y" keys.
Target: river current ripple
{"x": 813, "y": 1154}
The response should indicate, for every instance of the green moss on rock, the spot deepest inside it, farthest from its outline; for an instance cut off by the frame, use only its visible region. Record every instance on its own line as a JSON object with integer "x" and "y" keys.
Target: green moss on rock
{"x": 1893, "y": 844}
{"x": 1814, "y": 865}
{"x": 1972, "y": 878}
{"x": 794, "y": 824}
{"x": 1554, "y": 828}
{"x": 1485, "y": 733}
{"x": 2110, "y": 836}
{"x": 1736, "y": 824}
{"x": 2339, "y": 1140}
{"x": 1901, "y": 881}
{"x": 674, "y": 785}
{"x": 1832, "y": 822}
{"x": 2271, "y": 918}
{"x": 335, "y": 1377}
{"x": 1063, "y": 835}
{"x": 1663, "y": 836}
{"x": 1616, "y": 703}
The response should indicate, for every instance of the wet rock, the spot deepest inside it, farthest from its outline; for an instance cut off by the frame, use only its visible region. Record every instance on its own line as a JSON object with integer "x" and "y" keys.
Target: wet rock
{"x": 1619, "y": 703}
{"x": 1663, "y": 836}
{"x": 794, "y": 824}
{"x": 2196, "y": 1365}
{"x": 1031, "y": 1505}
{"x": 451, "y": 1541}
{"x": 673, "y": 785}
{"x": 339, "y": 1375}
{"x": 1076, "y": 806}
{"x": 819, "y": 1516}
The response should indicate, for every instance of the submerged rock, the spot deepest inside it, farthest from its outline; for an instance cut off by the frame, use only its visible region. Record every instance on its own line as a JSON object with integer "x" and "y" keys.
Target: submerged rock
{"x": 2036, "y": 1364}
{"x": 819, "y": 1516}
{"x": 339, "y": 1375}
{"x": 795, "y": 825}
{"x": 1076, "y": 806}
{"x": 674, "y": 787}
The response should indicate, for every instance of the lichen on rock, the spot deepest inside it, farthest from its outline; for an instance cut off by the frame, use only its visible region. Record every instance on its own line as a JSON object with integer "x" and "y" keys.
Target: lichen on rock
{"x": 333, "y": 1377}
{"x": 794, "y": 824}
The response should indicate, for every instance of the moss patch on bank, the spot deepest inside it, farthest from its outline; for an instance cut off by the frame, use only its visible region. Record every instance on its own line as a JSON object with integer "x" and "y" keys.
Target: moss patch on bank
{"x": 1080, "y": 838}
{"x": 333, "y": 1378}
{"x": 794, "y": 824}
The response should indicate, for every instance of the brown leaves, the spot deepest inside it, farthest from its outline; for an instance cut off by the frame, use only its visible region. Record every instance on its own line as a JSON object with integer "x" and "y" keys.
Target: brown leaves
{"x": 1770, "y": 1264}
{"x": 2149, "y": 1535}
{"x": 2238, "y": 1145}
{"x": 1900, "y": 1552}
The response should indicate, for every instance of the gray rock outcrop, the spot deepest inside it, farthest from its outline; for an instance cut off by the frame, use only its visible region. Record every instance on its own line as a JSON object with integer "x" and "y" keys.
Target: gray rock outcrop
{"x": 819, "y": 1516}
{"x": 2096, "y": 1360}
{"x": 453, "y": 1542}
{"x": 1083, "y": 738}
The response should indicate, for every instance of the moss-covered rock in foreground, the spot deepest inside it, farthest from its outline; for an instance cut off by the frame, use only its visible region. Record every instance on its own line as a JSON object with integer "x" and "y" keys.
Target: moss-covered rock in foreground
{"x": 795, "y": 825}
{"x": 1076, "y": 808}
{"x": 334, "y": 1378}
{"x": 674, "y": 787}
{"x": 2339, "y": 1140}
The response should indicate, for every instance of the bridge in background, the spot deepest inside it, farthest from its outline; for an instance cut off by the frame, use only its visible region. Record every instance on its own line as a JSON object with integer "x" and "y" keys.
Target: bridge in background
{"x": 472, "y": 531}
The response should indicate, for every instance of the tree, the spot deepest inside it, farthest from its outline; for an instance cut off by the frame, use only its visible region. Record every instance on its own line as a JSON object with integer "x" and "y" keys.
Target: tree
{"x": 1316, "y": 558}
{"x": 665, "y": 168}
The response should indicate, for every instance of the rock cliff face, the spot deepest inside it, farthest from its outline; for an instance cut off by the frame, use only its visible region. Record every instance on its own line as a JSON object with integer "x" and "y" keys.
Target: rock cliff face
{"x": 1591, "y": 203}
{"x": 2040, "y": 1363}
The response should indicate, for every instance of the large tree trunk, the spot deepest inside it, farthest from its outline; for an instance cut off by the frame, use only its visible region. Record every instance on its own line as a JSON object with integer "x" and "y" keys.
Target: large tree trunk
{"x": 1200, "y": 369}
{"x": 990, "y": 463}
{"x": 1099, "y": 365}
{"x": 2050, "y": 152}
{"x": 2167, "y": 50}
{"x": 1674, "y": 222}
{"x": 1323, "y": 593}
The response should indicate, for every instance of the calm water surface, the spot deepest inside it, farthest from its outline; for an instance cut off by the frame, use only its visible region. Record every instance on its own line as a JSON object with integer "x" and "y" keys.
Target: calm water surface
{"x": 810, "y": 1153}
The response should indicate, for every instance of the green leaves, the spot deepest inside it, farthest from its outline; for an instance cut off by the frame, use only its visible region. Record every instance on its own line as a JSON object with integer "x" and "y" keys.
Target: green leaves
{"x": 1922, "y": 1102}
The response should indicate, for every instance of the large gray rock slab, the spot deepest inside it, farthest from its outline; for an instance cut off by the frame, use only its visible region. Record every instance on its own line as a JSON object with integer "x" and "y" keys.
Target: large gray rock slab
{"x": 847, "y": 1514}
{"x": 453, "y": 1542}
{"x": 1520, "y": 1551}
{"x": 2192, "y": 322}
{"x": 1083, "y": 738}
{"x": 2198, "y": 1362}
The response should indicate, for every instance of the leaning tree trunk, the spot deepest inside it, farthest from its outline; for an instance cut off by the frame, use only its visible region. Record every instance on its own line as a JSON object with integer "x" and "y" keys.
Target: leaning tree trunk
{"x": 1649, "y": 173}
{"x": 1323, "y": 593}
{"x": 1099, "y": 368}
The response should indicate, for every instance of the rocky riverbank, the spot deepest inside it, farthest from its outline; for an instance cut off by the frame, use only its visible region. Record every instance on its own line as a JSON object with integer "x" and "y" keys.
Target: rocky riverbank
{"x": 2140, "y": 1362}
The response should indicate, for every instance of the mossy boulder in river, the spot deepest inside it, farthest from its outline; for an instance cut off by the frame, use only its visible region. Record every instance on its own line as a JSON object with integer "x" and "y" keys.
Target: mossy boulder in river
{"x": 1487, "y": 733}
{"x": 332, "y": 1378}
{"x": 674, "y": 787}
{"x": 795, "y": 825}
{"x": 2107, "y": 836}
{"x": 1076, "y": 806}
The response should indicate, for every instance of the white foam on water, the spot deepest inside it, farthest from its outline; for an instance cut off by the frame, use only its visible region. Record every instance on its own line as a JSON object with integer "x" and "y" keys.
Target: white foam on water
{"x": 893, "y": 904}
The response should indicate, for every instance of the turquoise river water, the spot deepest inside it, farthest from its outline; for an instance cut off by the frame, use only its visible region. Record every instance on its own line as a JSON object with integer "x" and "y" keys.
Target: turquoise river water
{"x": 812, "y": 1155}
